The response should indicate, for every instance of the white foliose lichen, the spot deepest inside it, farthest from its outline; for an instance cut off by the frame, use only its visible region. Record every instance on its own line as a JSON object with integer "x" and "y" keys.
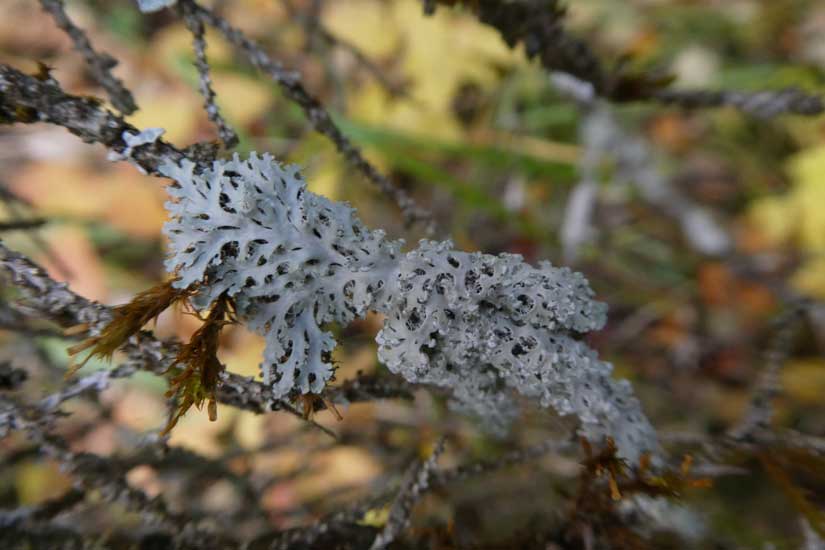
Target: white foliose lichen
{"x": 291, "y": 260}
{"x": 476, "y": 324}
{"x": 479, "y": 324}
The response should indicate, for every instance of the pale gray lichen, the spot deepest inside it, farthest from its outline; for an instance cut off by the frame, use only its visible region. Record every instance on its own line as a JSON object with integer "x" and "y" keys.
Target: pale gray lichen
{"x": 148, "y": 6}
{"x": 648, "y": 515}
{"x": 476, "y": 324}
{"x": 291, "y": 260}
{"x": 132, "y": 140}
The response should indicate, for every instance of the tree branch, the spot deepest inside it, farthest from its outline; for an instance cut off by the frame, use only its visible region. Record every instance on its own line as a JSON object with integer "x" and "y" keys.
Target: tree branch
{"x": 27, "y": 99}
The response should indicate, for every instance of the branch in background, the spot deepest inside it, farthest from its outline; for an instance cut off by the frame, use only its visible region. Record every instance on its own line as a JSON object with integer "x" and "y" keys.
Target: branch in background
{"x": 195, "y": 26}
{"x": 511, "y": 458}
{"x": 93, "y": 472}
{"x": 764, "y": 104}
{"x": 349, "y": 522}
{"x": 327, "y": 532}
{"x": 100, "y": 64}
{"x": 395, "y": 89}
{"x": 197, "y": 467}
{"x": 22, "y": 225}
{"x": 104, "y": 476}
{"x": 44, "y": 511}
{"x": 293, "y": 88}
{"x": 538, "y": 25}
{"x": 366, "y": 387}
{"x": 768, "y": 386}
{"x": 416, "y": 483}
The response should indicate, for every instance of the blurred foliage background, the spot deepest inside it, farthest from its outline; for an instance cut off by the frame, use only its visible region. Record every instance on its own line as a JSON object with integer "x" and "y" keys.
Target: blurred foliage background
{"x": 479, "y": 135}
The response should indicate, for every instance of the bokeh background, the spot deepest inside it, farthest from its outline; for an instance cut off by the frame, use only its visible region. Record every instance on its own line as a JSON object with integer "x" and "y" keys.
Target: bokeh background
{"x": 478, "y": 134}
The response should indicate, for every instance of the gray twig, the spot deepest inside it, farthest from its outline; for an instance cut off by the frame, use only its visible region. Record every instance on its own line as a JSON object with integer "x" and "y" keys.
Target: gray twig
{"x": 195, "y": 26}
{"x": 768, "y": 386}
{"x": 100, "y": 64}
{"x": 416, "y": 483}
{"x": 636, "y": 163}
{"x": 93, "y": 472}
{"x": 762, "y": 104}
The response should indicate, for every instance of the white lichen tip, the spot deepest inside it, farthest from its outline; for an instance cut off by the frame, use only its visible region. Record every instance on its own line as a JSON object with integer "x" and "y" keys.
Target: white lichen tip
{"x": 149, "y": 6}
{"x": 132, "y": 140}
{"x": 476, "y": 324}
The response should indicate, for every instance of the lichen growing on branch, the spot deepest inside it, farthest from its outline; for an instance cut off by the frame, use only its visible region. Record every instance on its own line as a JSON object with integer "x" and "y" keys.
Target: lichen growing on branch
{"x": 476, "y": 324}
{"x": 291, "y": 260}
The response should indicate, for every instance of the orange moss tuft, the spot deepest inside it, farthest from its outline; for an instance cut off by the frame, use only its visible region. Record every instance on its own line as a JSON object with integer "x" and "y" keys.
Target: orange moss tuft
{"x": 127, "y": 321}
{"x": 197, "y": 381}
{"x": 595, "y": 511}
{"x": 307, "y": 403}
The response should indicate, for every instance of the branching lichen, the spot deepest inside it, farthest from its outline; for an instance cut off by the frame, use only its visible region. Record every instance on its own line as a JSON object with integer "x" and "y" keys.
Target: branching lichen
{"x": 476, "y": 324}
{"x": 291, "y": 260}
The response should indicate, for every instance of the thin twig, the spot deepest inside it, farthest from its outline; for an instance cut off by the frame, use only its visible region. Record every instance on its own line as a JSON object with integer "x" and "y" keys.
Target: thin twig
{"x": 416, "y": 483}
{"x": 768, "y": 386}
{"x": 195, "y": 26}
{"x": 14, "y": 205}
{"x": 762, "y": 104}
{"x": 507, "y": 460}
{"x": 100, "y": 64}
{"x": 22, "y": 225}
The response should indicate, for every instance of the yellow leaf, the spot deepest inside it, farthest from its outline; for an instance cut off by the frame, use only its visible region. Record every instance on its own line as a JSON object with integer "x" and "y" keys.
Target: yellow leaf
{"x": 804, "y": 381}
{"x": 39, "y": 481}
{"x": 772, "y": 217}
{"x": 377, "y": 517}
{"x": 339, "y": 468}
{"x": 89, "y": 193}
{"x": 798, "y": 217}
{"x": 241, "y": 99}
{"x": 437, "y": 55}
{"x": 177, "y": 109}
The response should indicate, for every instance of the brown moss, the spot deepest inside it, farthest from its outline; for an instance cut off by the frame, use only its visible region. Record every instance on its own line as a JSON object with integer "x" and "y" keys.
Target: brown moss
{"x": 196, "y": 371}
{"x": 595, "y": 512}
{"x": 127, "y": 321}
